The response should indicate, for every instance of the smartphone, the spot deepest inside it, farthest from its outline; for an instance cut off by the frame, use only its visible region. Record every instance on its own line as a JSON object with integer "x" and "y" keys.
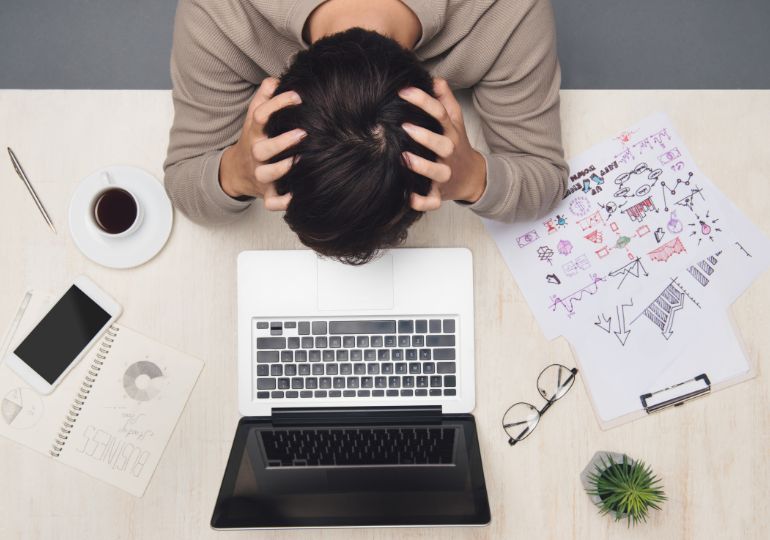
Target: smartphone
{"x": 63, "y": 336}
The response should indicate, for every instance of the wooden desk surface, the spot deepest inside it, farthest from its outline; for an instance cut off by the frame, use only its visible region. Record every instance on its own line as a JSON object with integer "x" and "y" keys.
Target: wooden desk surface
{"x": 713, "y": 454}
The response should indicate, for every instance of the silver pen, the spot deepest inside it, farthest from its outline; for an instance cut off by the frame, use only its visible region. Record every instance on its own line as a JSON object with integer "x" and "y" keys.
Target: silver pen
{"x": 20, "y": 171}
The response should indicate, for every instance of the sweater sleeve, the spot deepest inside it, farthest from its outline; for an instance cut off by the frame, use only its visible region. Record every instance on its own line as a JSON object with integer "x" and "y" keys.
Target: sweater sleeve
{"x": 211, "y": 94}
{"x": 518, "y": 103}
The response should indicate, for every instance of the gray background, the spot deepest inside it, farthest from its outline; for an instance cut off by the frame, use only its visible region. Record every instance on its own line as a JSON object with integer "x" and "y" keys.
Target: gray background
{"x": 602, "y": 43}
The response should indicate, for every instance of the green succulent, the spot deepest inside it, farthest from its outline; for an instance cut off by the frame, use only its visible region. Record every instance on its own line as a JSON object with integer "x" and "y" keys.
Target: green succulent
{"x": 627, "y": 489}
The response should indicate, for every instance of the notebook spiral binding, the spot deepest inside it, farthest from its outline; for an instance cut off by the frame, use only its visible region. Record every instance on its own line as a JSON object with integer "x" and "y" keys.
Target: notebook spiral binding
{"x": 103, "y": 349}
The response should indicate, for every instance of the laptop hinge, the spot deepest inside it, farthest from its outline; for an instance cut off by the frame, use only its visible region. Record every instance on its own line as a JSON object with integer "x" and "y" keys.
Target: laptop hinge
{"x": 352, "y": 414}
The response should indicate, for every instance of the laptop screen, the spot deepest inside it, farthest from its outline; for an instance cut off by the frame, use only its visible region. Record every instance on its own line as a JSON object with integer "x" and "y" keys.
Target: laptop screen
{"x": 357, "y": 474}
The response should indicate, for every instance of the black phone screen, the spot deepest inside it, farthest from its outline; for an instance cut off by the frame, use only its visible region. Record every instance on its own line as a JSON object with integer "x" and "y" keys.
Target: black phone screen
{"x": 62, "y": 335}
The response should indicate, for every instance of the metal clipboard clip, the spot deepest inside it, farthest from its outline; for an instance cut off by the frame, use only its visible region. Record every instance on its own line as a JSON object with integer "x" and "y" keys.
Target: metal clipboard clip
{"x": 671, "y": 396}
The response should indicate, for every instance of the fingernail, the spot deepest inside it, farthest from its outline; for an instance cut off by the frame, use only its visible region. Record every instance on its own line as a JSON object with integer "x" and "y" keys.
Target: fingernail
{"x": 405, "y": 155}
{"x": 300, "y": 134}
{"x": 294, "y": 96}
{"x": 406, "y": 92}
{"x": 409, "y": 128}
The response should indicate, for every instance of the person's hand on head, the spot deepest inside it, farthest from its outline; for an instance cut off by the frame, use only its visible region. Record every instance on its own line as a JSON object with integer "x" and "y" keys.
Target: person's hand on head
{"x": 245, "y": 168}
{"x": 459, "y": 172}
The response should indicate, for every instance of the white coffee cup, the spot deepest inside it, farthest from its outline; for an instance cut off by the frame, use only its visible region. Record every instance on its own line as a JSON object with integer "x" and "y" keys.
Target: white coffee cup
{"x": 115, "y": 212}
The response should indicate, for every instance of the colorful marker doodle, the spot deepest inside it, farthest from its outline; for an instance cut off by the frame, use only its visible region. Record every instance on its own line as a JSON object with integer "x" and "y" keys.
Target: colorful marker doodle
{"x": 544, "y": 253}
{"x": 667, "y": 250}
{"x": 625, "y": 136}
{"x": 527, "y": 238}
{"x": 642, "y": 231}
{"x": 564, "y": 247}
{"x": 704, "y": 228}
{"x": 668, "y": 157}
{"x": 659, "y": 234}
{"x": 614, "y": 227}
{"x": 689, "y": 200}
{"x": 622, "y": 242}
{"x": 664, "y": 188}
{"x": 625, "y": 156}
{"x": 603, "y": 252}
{"x": 639, "y": 211}
{"x": 674, "y": 225}
{"x": 637, "y": 173}
{"x": 550, "y": 226}
{"x": 634, "y": 269}
{"x": 598, "y": 180}
{"x": 561, "y": 221}
{"x": 568, "y": 302}
{"x": 611, "y": 207}
{"x": 662, "y": 311}
{"x": 594, "y": 220}
{"x": 553, "y": 278}
{"x": 579, "y": 206}
{"x": 574, "y": 266}
{"x": 595, "y": 236}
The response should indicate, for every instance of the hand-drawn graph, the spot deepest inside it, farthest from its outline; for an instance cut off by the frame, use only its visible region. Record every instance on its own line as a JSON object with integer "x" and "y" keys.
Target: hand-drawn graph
{"x": 574, "y": 266}
{"x": 568, "y": 302}
{"x": 702, "y": 270}
{"x": 21, "y": 408}
{"x": 665, "y": 188}
{"x": 635, "y": 269}
{"x": 527, "y": 238}
{"x": 639, "y": 211}
{"x": 624, "y": 180}
{"x": 579, "y": 206}
{"x": 667, "y": 250}
{"x": 743, "y": 249}
{"x": 594, "y": 220}
{"x": 662, "y": 311}
{"x": 140, "y": 380}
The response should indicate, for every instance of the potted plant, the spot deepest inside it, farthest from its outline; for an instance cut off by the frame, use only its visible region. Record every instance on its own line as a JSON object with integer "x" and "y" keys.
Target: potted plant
{"x": 622, "y": 487}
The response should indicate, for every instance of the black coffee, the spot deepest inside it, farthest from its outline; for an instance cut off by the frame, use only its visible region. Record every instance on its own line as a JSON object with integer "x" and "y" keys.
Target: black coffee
{"x": 115, "y": 211}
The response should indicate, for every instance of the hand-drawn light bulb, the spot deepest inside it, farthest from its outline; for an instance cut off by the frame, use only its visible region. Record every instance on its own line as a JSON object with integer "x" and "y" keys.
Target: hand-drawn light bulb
{"x": 705, "y": 228}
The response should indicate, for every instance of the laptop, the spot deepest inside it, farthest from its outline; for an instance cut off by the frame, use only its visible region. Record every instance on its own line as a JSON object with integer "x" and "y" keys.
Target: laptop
{"x": 356, "y": 385}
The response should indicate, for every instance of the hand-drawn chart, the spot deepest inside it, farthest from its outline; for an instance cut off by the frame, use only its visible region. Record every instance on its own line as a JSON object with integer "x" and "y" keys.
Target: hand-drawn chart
{"x": 21, "y": 408}
{"x": 141, "y": 380}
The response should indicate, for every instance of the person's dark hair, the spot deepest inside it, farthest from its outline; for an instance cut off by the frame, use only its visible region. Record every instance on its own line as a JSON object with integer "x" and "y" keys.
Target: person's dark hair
{"x": 350, "y": 186}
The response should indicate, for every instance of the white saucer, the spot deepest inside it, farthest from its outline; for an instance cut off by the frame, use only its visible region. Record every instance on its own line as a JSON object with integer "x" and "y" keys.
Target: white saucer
{"x": 141, "y": 245}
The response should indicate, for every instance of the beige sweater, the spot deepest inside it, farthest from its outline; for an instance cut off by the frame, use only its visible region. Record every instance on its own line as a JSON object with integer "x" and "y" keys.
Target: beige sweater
{"x": 504, "y": 50}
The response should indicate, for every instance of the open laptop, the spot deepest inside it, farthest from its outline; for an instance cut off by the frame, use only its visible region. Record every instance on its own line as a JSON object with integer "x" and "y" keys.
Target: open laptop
{"x": 356, "y": 385}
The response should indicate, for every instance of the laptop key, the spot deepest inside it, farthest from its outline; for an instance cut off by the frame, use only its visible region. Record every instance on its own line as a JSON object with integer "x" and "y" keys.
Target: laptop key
{"x": 408, "y": 381}
{"x": 421, "y": 326}
{"x": 287, "y": 356}
{"x": 450, "y": 381}
{"x": 303, "y": 328}
{"x": 318, "y": 369}
{"x": 263, "y": 370}
{"x": 404, "y": 341}
{"x": 362, "y": 327}
{"x": 349, "y": 393}
{"x": 349, "y": 342}
{"x": 290, "y": 371}
{"x": 450, "y": 392}
{"x": 435, "y": 381}
{"x": 321, "y": 342}
{"x": 320, "y": 393}
{"x": 352, "y": 382}
{"x": 293, "y": 343}
{"x": 276, "y": 394}
{"x": 425, "y": 354}
{"x": 315, "y": 356}
{"x": 407, "y": 393}
{"x": 290, "y": 324}
{"x": 445, "y": 367}
{"x": 387, "y": 368}
{"x": 306, "y": 394}
{"x": 311, "y": 383}
{"x": 435, "y": 392}
{"x": 303, "y": 369}
{"x": 440, "y": 341}
{"x": 370, "y": 355}
{"x": 265, "y": 384}
{"x": 339, "y": 382}
{"x": 418, "y": 341}
{"x": 356, "y": 355}
{"x": 300, "y": 356}
{"x": 360, "y": 369}
{"x": 307, "y": 342}
{"x": 449, "y": 326}
{"x": 346, "y": 369}
{"x": 328, "y": 355}
{"x": 394, "y": 382}
{"x": 401, "y": 368}
{"x": 262, "y": 325}
{"x": 271, "y": 343}
{"x": 391, "y": 393}
{"x": 414, "y": 368}
{"x": 405, "y": 327}
{"x": 378, "y": 393}
{"x": 363, "y": 393}
{"x": 422, "y": 381}
{"x": 380, "y": 382}
{"x": 376, "y": 341}
{"x": 435, "y": 326}
{"x": 332, "y": 369}
{"x": 283, "y": 384}
{"x": 362, "y": 342}
{"x": 383, "y": 354}
{"x": 276, "y": 370}
{"x": 397, "y": 354}
{"x": 411, "y": 354}
{"x": 292, "y": 394}
{"x": 263, "y": 395}
{"x": 335, "y": 342}
{"x": 325, "y": 382}
{"x": 335, "y": 393}
{"x": 373, "y": 369}
{"x": 443, "y": 354}
{"x": 367, "y": 382}
{"x": 319, "y": 327}
{"x": 429, "y": 368}
{"x": 421, "y": 392}
{"x": 342, "y": 355}
{"x": 298, "y": 383}
{"x": 390, "y": 341}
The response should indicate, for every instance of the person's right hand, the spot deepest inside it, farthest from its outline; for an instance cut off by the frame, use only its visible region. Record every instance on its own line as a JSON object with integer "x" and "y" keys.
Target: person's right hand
{"x": 244, "y": 167}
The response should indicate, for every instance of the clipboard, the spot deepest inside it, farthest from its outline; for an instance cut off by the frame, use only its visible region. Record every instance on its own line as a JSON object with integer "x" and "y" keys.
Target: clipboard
{"x": 716, "y": 362}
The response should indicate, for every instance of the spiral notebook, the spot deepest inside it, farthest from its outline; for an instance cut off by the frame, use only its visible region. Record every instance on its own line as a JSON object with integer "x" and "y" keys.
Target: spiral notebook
{"x": 113, "y": 414}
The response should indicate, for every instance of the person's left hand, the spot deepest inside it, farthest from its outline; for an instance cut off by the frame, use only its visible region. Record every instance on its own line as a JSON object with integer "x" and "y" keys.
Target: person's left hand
{"x": 459, "y": 172}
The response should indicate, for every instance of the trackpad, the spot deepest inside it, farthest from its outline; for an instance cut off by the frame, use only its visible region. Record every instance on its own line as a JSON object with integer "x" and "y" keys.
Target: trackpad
{"x": 346, "y": 287}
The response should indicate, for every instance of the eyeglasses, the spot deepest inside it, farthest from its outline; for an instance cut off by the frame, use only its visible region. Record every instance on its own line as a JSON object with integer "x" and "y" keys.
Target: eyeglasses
{"x": 522, "y": 418}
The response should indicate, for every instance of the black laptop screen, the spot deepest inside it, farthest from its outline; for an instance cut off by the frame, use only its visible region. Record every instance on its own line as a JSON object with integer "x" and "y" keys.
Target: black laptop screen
{"x": 362, "y": 474}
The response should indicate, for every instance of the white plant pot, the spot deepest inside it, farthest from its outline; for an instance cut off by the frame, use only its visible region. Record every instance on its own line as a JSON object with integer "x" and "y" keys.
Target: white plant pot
{"x": 596, "y": 461}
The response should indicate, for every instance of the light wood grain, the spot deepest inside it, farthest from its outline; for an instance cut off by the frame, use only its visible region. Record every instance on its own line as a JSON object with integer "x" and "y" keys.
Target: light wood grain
{"x": 712, "y": 454}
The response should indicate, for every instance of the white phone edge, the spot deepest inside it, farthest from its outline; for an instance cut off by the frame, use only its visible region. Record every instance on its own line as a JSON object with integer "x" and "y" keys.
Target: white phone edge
{"x": 95, "y": 293}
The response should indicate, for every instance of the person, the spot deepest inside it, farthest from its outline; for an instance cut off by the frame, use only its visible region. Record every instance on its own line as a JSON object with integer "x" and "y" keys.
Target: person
{"x": 341, "y": 113}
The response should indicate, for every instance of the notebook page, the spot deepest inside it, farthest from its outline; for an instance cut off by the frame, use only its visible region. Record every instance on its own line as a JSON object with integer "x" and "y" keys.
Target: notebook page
{"x": 131, "y": 410}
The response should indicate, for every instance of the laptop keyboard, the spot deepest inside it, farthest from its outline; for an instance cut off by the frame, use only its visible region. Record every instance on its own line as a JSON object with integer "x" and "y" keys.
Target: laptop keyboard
{"x": 361, "y": 358}
{"x": 359, "y": 446}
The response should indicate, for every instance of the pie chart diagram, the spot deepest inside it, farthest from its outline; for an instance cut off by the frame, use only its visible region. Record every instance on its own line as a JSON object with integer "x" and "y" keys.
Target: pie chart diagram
{"x": 21, "y": 408}
{"x": 142, "y": 379}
